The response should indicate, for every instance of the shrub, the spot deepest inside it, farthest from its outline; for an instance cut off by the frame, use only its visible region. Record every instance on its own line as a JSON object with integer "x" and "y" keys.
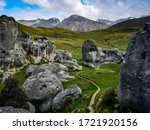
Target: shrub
{"x": 109, "y": 97}
{"x": 12, "y": 95}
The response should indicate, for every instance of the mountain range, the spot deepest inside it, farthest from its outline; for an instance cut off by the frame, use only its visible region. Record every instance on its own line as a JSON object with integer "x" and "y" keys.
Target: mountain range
{"x": 136, "y": 22}
{"x": 82, "y": 24}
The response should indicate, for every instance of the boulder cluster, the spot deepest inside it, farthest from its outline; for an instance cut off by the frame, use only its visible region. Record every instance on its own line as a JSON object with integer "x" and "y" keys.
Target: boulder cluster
{"x": 18, "y": 49}
{"x": 66, "y": 59}
{"x": 44, "y": 87}
{"x": 134, "y": 88}
{"x": 94, "y": 56}
{"x": 44, "y": 83}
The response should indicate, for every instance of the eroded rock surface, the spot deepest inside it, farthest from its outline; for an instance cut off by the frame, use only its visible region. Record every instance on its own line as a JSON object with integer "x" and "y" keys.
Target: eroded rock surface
{"x": 94, "y": 56}
{"x": 8, "y": 32}
{"x": 60, "y": 99}
{"x": 66, "y": 59}
{"x": 134, "y": 89}
{"x": 42, "y": 86}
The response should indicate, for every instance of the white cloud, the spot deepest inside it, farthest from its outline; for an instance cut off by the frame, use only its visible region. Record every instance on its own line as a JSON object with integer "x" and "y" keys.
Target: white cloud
{"x": 64, "y": 8}
{"x": 2, "y": 4}
{"x": 93, "y": 9}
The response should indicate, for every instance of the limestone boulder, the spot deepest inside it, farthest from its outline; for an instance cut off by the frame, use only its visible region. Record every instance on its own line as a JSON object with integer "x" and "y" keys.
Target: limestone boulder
{"x": 134, "y": 88}
{"x": 63, "y": 55}
{"x": 94, "y": 56}
{"x": 30, "y": 69}
{"x": 42, "y": 86}
{"x": 60, "y": 99}
{"x": 55, "y": 68}
{"x": 71, "y": 64}
{"x": 8, "y": 32}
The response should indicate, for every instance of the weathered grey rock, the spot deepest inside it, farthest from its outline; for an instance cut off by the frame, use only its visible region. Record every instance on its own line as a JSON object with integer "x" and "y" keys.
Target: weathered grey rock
{"x": 71, "y": 64}
{"x": 63, "y": 55}
{"x": 39, "y": 48}
{"x": 19, "y": 58}
{"x": 60, "y": 99}
{"x": 58, "y": 69}
{"x": 46, "y": 106}
{"x": 35, "y": 60}
{"x": 23, "y": 36}
{"x": 8, "y": 32}
{"x": 90, "y": 53}
{"x": 134, "y": 88}
{"x": 42, "y": 86}
{"x": 11, "y": 53}
{"x": 5, "y": 76}
{"x": 30, "y": 69}
{"x": 9, "y": 109}
{"x": 51, "y": 47}
{"x": 114, "y": 55}
{"x": 94, "y": 56}
{"x": 66, "y": 59}
{"x": 31, "y": 107}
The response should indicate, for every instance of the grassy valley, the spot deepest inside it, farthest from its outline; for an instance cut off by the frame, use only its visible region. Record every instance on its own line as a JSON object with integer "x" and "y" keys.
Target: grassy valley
{"x": 107, "y": 76}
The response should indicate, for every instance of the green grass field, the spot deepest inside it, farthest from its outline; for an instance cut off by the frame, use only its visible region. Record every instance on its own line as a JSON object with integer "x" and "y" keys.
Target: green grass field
{"x": 106, "y": 77}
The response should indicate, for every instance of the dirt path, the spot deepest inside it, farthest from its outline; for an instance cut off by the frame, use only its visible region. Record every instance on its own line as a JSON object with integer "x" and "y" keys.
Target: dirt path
{"x": 92, "y": 102}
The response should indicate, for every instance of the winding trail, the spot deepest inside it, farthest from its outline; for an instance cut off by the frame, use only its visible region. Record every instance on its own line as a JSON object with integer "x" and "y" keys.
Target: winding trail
{"x": 92, "y": 102}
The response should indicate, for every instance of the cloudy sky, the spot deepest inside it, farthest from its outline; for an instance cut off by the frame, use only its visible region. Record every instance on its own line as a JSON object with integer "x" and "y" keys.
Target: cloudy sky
{"x": 93, "y": 9}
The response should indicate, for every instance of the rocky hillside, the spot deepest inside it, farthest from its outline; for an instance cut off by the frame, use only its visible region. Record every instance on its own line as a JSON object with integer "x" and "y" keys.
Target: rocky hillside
{"x": 137, "y": 22}
{"x": 82, "y": 24}
{"x": 50, "y": 23}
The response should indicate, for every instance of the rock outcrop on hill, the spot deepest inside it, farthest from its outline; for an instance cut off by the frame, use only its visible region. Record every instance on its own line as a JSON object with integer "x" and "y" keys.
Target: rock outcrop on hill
{"x": 66, "y": 59}
{"x": 8, "y": 32}
{"x": 94, "y": 56}
{"x": 9, "y": 56}
{"x": 17, "y": 48}
{"x": 134, "y": 88}
{"x": 39, "y": 48}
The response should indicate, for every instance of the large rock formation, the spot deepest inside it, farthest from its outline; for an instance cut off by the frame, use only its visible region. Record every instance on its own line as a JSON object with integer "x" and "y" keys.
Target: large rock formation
{"x": 134, "y": 89}
{"x": 8, "y": 32}
{"x": 17, "y": 48}
{"x": 38, "y": 48}
{"x": 9, "y": 56}
{"x": 42, "y": 86}
{"x": 43, "y": 83}
{"x": 94, "y": 56}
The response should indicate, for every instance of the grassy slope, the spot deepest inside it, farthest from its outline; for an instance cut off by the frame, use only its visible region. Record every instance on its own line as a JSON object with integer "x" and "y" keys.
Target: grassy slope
{"x": 106, "y": 77}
